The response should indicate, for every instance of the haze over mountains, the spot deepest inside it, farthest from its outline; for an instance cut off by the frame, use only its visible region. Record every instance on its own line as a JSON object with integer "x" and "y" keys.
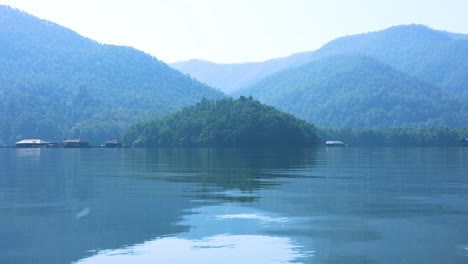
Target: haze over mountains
{"x": 359, "y": 91}
{"x": 231, "y": 77}
{"x": 56, "y": 84}
{"x": 436, "y": 56}
{"x": 409, "y": 76}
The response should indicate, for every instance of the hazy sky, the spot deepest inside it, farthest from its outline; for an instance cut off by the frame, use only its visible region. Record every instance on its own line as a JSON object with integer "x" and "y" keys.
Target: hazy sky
{"x": 238, "y": 30}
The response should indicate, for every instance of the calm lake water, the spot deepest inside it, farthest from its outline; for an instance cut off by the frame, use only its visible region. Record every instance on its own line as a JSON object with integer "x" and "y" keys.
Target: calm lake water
{"x": 345, "y": 205}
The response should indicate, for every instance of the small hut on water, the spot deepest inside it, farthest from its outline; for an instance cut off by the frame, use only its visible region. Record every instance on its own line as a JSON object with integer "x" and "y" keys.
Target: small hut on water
{"x": 75, "y": 143}
{"x": 113, "y": 143}
{"x": 464, "y": 142}
{"x": 32, "y": 143}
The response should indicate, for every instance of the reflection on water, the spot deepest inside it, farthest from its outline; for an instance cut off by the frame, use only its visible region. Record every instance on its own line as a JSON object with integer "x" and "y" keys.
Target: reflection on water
{"x": 213, "y": 238}
{"x": 83, "y": 213}
{"x": 353, "y": 205}
{"x": 215, "y": 249}
{"x": 28, "y": 153}
{"x": 261, "y": 218}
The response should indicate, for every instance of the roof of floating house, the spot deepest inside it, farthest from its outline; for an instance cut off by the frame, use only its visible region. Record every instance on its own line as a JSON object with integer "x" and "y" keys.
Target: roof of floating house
{"x": 32, "y": 141}
{"x": 112, "y": 141}
{"x": 334, "y": 142}
{"x": 74, "y": 140}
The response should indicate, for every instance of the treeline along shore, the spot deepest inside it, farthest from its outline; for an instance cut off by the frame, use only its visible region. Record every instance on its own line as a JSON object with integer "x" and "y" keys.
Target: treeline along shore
{"x": 246, "y": 122}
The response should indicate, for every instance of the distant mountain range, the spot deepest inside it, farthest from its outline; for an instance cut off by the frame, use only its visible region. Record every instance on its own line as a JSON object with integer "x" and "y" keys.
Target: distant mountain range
{"x": 359, "y": 91}
{"x": 403, "y": 76}
{"x": 231, "y": 77}
{"x": 436, "y": 56}
{"x": 56, "y": 84}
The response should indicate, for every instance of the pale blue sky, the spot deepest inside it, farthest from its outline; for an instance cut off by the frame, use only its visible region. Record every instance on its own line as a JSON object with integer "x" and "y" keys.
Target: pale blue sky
{"x": 238, "y": 30}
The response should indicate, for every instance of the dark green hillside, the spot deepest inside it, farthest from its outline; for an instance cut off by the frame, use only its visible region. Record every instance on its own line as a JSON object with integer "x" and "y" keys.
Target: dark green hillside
{"x": 435, "y": 56}
{"x": 56, "y": 84}
{"x": 226, "y": 122}
{"x": 358, "y": 91}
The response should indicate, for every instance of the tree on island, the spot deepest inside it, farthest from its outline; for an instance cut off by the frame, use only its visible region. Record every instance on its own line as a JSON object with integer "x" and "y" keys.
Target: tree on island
{"x": 225, "y": 122}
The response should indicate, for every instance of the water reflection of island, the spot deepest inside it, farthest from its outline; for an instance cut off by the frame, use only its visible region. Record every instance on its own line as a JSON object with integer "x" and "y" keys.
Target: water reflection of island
{"x": 28, "y": 153}
{"x": 211, "y": 177}
{"x": 316, "y": 205}
{"x": 69, "y": 203}
{"x": 73, "y": 202}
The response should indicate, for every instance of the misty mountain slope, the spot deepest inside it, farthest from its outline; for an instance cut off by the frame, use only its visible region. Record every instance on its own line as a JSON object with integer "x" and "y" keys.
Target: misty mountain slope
{"x": 55, "y": 83}
{"x": 358, "y": 91}
{"x": 231, "y": 77}
{"x": 435, "y": 56}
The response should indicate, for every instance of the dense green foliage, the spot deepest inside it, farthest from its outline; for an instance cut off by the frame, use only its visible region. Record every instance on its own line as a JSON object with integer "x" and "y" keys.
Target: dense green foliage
{"x": 226, "y": 122}
{"x": 359, "y": 91}
{"x": 435, "y": 56}
{"x": 395, "y": 137}
{"x": 56, "y": 84}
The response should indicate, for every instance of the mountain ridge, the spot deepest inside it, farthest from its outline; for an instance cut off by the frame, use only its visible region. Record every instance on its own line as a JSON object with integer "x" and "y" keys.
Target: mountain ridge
{"x": 231, "y": 77}
{"x": 55, "y": 80}
{"x": 415, "y": 49}
{"x": 358, "y": 91}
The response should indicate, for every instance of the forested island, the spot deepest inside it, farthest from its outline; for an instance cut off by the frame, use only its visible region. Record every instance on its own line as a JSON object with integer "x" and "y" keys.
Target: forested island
{"x": 225, "y": 122}
{"x": 246, "y": 122}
